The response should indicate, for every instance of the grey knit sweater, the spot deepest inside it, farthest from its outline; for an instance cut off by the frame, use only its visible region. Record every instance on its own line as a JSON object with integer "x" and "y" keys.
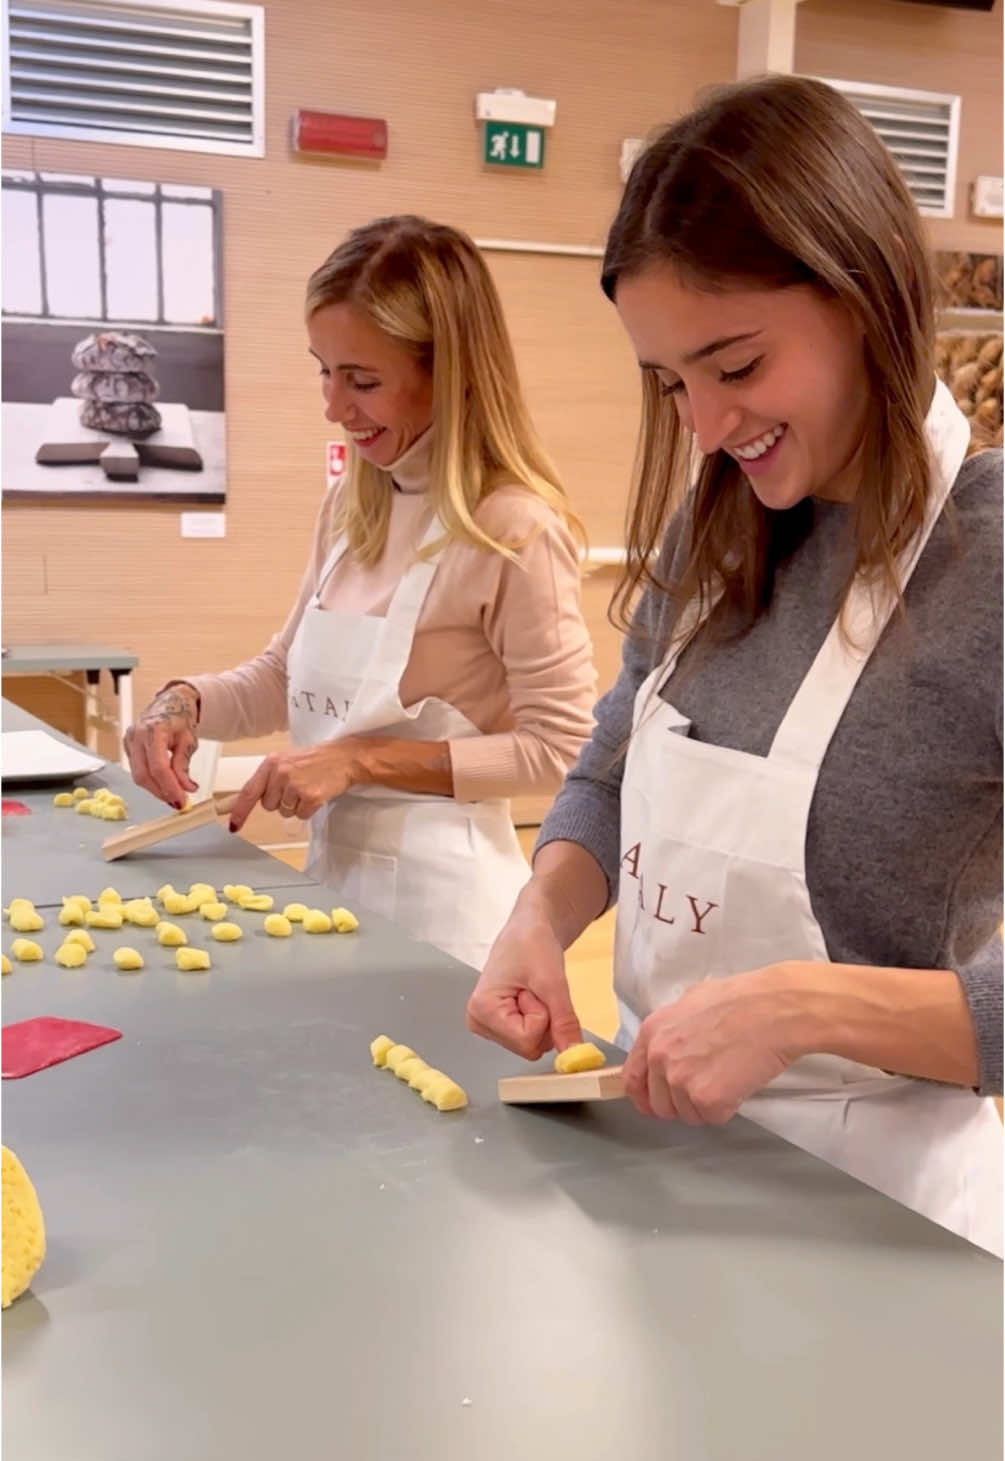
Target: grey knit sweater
{"x": 904, "y": 843}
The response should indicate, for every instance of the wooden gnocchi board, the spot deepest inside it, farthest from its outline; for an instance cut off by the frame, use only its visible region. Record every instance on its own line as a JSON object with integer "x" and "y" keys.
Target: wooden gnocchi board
{"x": 148, "y": 834}
{"x": 583, "y": 1085}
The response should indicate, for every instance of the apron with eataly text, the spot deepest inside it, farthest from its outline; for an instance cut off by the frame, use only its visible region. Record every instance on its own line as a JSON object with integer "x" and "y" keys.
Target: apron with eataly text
{"x": 446, "y": 872}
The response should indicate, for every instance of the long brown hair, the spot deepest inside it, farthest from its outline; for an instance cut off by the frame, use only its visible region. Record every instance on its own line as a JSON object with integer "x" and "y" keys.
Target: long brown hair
{"x": 769, "y": 184}
{"x": 428, "y": 288}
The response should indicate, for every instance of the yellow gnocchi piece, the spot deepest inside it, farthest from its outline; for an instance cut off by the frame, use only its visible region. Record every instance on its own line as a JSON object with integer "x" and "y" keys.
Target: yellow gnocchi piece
{"x": 26, "y": 951}
{"x": 227, "y": 933}
{"x": 296, "y": 912}
{"x": 212, "y": 912}
{"x": 162, "y": 891}
{"x": 343, "y": 921}
{"x": 71, "y": 956}
{"x": 379, "y": 1049}
{"x": 106, "y": 915}
{"x": 171, "y": 935}
{"x": 5, "y": 964}
{"x": 190, "y": 960}
{"x": 82, "y": 937}
{"x": 278, "y": 926}
{"x": 423, "y": 1079}
{"x": 111, "y": 812}
{"x": 23, "y": 1230}
{"x": 315, "y": 921}
{"x": 445, "y": 1095}
{"x": 141, "y": 912}
{"x": 101, "y": 794}
{"x": 234, "y": 892}
{"x": 25, "y": 920}
{"x": 579, "y": 1057}
{"x": 86, "y": 807}
{"x": 128, "y": 960}
{"x": 71, "y": 914}
{"x": 80, "y": 899}
{"x": 63, "y": 799}
{"x": 406, "y": 1068}
{"x": 203, "y": 893}
{"x": 109, "y": 895}
{"x": 396, "y": 1055}
{"x": 179, "y": 903}
{"x": 19, "y": 905}
{"x": 79, "y": 793}
{"x": 257, "y": 903}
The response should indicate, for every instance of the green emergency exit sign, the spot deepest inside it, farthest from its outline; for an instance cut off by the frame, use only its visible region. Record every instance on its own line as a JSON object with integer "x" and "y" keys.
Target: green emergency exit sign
{"x": 514, "y": 144}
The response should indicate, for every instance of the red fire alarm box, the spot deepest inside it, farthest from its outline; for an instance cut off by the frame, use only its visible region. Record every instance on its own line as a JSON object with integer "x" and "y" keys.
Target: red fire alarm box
{"x": 342, "y": 136}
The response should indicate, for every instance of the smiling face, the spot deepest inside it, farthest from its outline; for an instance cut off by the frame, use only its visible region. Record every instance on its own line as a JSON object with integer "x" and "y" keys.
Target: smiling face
{"x": 774, "y": 377}
{"x": 371, "y": 385}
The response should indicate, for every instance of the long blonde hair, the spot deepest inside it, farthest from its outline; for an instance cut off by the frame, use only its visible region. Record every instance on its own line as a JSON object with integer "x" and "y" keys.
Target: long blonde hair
{"x": 427, "y": 287}
{"x": 769, "y": 184}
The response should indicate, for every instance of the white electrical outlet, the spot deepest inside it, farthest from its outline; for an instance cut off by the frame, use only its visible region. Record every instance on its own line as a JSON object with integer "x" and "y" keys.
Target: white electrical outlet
{"x": 987, "y": 197}
{"x": 203, "y": 525}
{"x": 507, "y": 104}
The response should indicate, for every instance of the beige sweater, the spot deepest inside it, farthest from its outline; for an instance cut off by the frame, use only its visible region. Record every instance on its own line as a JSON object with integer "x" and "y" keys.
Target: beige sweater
{"x": 503, "y": 642}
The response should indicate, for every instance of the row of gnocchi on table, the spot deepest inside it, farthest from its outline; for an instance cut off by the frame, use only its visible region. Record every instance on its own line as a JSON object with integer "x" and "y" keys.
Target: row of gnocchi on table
{"x": 231, "y": 1183}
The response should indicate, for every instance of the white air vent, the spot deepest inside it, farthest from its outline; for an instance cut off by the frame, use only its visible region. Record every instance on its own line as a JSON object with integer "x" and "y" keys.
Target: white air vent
{"x": 153, "y": 74}
{"x": 921, "y": 129}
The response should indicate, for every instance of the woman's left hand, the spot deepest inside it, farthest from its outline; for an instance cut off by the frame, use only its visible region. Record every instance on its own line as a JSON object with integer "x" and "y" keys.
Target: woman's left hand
{"x": 298, "y": 781}
{"x": 698, "y": 1059}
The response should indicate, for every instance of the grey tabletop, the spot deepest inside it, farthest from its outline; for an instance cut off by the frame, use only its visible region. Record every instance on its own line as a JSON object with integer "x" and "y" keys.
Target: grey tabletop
{"x": 261, "y": 1246}
{"x": 31, "y": 870}
{"x": 37, "y": 659}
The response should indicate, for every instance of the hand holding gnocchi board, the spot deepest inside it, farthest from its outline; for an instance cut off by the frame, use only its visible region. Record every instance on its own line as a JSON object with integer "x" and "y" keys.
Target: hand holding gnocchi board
{"x": 583, "y": 1085}
{"x": 148, "y": 834}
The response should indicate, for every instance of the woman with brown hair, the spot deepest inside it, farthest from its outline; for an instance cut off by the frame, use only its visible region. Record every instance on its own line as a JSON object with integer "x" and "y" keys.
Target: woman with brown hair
{"x": 803, "y": 750}
{"x": 436, "y": 662}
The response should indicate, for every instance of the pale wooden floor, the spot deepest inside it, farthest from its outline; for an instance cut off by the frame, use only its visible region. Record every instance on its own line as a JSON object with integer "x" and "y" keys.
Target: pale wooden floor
{"x": 588, "y": 962}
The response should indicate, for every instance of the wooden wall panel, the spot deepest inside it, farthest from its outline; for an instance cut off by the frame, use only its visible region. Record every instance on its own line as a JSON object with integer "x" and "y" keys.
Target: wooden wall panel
{"x": 124, "y": 575}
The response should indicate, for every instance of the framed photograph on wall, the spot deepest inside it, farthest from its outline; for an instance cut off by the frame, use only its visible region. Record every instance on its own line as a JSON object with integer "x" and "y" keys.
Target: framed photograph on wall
{"x": 112, "y": 333}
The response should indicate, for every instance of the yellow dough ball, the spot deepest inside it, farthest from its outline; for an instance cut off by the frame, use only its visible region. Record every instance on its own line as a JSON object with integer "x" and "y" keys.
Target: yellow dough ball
{"x": 112, "y": 812}
{"x": 63, "y": 799}
{"x": 257, "y": 903}
{"x": 423, "y": 1079}
{"x": 23, "y": 1229}
{"x": 179, "y": 903}
{"x": 71, "y": 956}
{"x": 445, "y": 1095}
{"x": 579, "y": 1057}
{"x": 317, "y": 922}
{"x": 141, "y": 912}
{"x": 296, "y": 912}
{"x": 109, "y": 895}
{"x": 203, "y": 893}
{"x": 24, "y": 920}
{"x": 190, "y": 960}
{"x": 396, "y": 1055}
{"x": 71, "y": 913}
{"x": 82, "y": 937}
{"x": 227, "y": 933}
{"x": 213, "y": 912}
{"x": 379, "y": 1049}
{"x": 343, "y": 921}
{"x": 406, "y": 1068}
{"x": 19, "y": 905}
{"x": 86, "y": 807}
{"x": 5, "y": 964}
{"x": 278, "y": 926}
{"x": 101, "y": 794}
{"x": 163, "y": 891}
{"x": 128, "y": 960}
{"x": 26, "y": 951}
{"x": 107, "y": 915}
{"x": 171, "y": 935}
{"x": 80, "y": 899}
{"x": 234, "y": 892}
{"x": 79, "y": 793}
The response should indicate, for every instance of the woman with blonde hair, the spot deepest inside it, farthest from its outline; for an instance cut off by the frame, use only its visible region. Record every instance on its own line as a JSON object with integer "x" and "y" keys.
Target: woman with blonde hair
{"x": 803, "y": 751}
{"x": 436, "y": 662}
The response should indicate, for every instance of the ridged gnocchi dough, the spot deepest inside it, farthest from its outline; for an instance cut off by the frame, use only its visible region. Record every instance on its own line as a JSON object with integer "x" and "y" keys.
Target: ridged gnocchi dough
{"x": 141, "y": 912}
{"x": 71, "y": 914}
{"x": 227, "y": 933}
{"x": 203, "y": 893}
{"x": 343, "y": 921}
{"x": 191, "y": 960}
{"x": 26, "y": 951}
{"x": 211, "y": 911}
{"x": 234, "y": 892}
{"x": 128, "y": 960}
{"x": 257, "y": 903}
{"x": 433, "y": 1086}
{"x": 277, "y": 926}
{"x": 71, "y": 956}
{"x": 171, "y": 935}
{"x": 63, "y": 799}
{"x": 296, "y": 912}
{"x": 176, "y": 903}
{"x": 106, "y": 915}
{"x": 316, "y": 921}
{"x": 26, "y": 920}
{"x": 82, "y": 937}
{"x": 379, "y": 1048}
{"x": 80, "y": 793}
{"x": 579, "y": 1057}
{"x": 109, "y": 895}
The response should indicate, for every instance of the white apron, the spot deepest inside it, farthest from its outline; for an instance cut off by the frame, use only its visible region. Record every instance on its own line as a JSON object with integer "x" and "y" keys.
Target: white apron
{"x": 713, "y": 883}
{"x": 446, "y": 872}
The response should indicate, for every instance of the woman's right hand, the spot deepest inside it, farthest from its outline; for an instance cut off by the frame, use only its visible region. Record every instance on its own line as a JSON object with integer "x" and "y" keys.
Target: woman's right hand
{"x": 162, "y": 742}
{"x": 521, "y": 1000}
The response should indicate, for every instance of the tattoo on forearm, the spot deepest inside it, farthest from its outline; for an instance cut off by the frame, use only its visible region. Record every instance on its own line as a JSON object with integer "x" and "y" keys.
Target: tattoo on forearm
{"x": 169, "y": 706}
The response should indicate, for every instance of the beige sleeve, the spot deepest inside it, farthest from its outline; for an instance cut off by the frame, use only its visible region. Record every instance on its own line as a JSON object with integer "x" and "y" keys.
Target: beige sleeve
{"x": 251, "y": 700}
{"x": 534, "y": 623}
